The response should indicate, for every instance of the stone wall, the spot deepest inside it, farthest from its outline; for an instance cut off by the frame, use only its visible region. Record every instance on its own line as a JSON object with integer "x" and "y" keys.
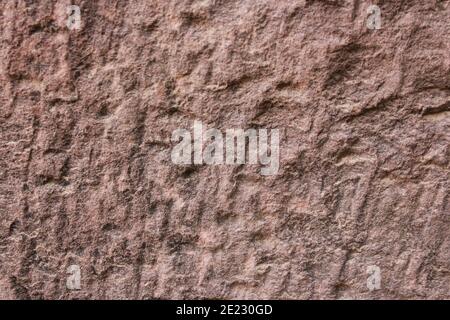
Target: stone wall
{"x": 86, "y": 177}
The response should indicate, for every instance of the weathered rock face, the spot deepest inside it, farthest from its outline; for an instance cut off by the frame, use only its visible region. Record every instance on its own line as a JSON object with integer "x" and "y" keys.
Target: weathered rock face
{"x": 86, "y": 177}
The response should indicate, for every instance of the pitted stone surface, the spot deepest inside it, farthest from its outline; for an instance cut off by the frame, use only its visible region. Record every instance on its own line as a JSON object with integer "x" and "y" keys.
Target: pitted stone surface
{"x": 86, "y": 178}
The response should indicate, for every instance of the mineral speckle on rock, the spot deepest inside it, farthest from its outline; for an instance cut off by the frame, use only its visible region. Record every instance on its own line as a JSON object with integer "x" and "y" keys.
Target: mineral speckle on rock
{"x": 359, "y": 207}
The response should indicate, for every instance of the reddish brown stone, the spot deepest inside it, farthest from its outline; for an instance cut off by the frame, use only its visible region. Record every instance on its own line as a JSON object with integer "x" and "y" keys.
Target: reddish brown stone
{"x": 86, "y": 178}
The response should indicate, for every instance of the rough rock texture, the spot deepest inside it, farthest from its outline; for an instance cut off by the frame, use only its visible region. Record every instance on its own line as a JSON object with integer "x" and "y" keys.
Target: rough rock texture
{"x": 86, "y": 178}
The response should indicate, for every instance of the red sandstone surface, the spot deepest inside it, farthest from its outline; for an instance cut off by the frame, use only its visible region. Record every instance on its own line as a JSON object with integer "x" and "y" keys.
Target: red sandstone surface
{"x": 86, "y": 177}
